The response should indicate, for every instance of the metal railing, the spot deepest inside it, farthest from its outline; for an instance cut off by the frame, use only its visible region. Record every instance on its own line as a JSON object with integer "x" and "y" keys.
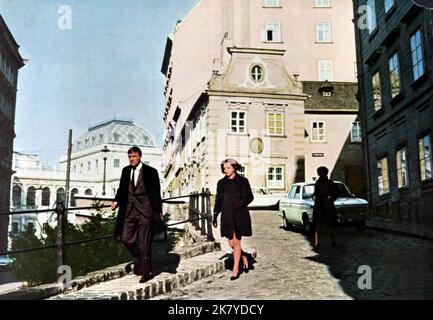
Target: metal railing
{"x": 199, "y": 215}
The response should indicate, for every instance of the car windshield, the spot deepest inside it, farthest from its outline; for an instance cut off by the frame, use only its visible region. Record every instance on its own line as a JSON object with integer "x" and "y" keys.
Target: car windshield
{"x": 308, "y": 190}
{"x": 342, "y": 191}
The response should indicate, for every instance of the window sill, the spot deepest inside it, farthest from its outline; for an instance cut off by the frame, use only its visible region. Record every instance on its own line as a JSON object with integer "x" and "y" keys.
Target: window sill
{"x": 385, "y": 196}
{"x": 418, "y": 82}
{"x": 272, "y": 7}
{"x": 373, "y": 34}
{"x": 238, "y": 134}
{"x": 273, "y": 42}
{"x": 378, "y": 113}
{"x": 322, "y": 7}
{"x": 274, "y": 136}
{"x": 404, "y": 189}
{"x": 397, "y": 98}
{"x": 390, "y": 12}
{"x": 318, "y": 142}
{"x": 427, "y": 184}
{"x": 324, "y": 42}
{"x": 356, "y": 142}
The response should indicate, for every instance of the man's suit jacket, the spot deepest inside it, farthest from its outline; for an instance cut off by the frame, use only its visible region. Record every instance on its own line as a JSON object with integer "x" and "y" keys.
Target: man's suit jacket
{"x": 151, "y": 182}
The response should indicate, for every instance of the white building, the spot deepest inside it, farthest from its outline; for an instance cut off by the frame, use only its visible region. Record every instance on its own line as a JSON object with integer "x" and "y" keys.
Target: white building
{"x": 37, "y": 187}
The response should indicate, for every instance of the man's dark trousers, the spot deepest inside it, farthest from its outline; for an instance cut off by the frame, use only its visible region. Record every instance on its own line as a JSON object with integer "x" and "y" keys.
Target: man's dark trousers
{"x": 136, "y": 233}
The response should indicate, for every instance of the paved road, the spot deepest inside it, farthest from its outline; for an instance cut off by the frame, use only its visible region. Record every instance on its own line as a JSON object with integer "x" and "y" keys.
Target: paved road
{"x": 287, "y": 268}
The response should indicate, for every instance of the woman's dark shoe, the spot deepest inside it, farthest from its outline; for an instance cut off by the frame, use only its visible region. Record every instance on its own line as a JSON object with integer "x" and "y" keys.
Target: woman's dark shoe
{"x": 235, "y": 277}
{"x": 245, "y": 268}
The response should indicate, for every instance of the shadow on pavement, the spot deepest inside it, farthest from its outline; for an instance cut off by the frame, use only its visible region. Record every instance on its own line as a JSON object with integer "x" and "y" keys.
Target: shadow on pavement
{"x": 400, "y": 266}
{"x": 228, "y": 261}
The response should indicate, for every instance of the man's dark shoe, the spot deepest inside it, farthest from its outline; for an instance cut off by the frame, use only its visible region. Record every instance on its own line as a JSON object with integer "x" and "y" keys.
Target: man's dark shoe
{"x": 144, "y": 278}
{"x": 136, "y": 269}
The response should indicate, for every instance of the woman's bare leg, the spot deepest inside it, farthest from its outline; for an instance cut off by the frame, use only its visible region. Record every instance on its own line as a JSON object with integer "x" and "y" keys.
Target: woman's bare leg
{"x": 237, "y": 252}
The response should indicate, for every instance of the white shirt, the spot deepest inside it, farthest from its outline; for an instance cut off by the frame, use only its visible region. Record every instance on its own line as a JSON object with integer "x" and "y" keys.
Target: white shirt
{"x": 137, "y": 172}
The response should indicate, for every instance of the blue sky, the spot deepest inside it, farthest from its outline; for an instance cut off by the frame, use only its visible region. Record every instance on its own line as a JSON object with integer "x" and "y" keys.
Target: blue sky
{"x": 108, "y": 64}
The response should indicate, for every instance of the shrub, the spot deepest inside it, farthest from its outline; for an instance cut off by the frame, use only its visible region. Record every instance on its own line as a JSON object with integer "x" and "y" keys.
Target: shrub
{"x": 38, "y": 267}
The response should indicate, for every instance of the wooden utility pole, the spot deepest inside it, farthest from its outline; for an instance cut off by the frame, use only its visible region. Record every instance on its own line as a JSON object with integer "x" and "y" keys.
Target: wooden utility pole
{"x": 62, "y": 213}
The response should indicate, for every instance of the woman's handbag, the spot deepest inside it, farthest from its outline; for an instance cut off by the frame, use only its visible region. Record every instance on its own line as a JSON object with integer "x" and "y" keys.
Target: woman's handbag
{"x": 159, "y": 230}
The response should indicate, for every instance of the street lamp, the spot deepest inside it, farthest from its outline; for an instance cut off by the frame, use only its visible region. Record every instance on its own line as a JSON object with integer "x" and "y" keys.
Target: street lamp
{"x": 104, "y": 151}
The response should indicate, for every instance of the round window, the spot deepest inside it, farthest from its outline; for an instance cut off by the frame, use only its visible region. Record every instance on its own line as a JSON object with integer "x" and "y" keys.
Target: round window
{"x": 257, "y": 73}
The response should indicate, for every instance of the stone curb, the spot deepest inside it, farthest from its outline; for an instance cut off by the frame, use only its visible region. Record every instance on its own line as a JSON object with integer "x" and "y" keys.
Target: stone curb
{"x": 111, "y": 273}
{"x": 154, "y": 287}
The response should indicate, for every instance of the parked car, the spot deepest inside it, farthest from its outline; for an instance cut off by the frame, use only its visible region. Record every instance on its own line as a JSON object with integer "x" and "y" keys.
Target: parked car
{"x": 264, "y": 198}
{"x": 297, "y": 207}
{"x": 5, "y": 262}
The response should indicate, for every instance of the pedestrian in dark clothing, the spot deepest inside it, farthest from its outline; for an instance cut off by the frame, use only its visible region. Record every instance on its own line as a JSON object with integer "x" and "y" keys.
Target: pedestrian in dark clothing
{"x": 140, "y": 208}
{"x": 324, "y": 215}
{"x": 232, "y": 199}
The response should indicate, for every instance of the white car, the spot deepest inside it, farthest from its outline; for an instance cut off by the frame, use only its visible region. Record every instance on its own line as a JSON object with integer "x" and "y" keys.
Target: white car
{"x": 264, "y": 198}
{"x": 5, "y": 261}
{"x": 297, "y": 207}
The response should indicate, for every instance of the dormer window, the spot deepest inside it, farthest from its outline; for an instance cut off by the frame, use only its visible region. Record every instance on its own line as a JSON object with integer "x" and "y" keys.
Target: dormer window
{"x": 131, "y": 138}
{"x": 257, "y": 73}
{"x": 116, "y": 137}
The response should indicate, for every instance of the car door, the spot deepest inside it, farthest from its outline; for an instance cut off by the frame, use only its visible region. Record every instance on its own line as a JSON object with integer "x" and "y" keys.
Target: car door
{"x": 286, "y": 203}
{"x": 295, "y": 210}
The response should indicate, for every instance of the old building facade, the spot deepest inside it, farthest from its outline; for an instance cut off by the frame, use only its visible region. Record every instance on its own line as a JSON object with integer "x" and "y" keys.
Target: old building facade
{"x": 234, "y": 88}
{"x": 10, "y": 62}
{"x": 395, "y": 64}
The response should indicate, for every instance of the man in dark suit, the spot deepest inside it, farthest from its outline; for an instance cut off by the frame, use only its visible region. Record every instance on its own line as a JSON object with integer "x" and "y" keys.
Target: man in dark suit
{"x": 140, "y": 205}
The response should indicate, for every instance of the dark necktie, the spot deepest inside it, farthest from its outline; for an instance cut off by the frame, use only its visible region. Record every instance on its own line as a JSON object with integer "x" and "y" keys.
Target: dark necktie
{"x": 133, "y": 178}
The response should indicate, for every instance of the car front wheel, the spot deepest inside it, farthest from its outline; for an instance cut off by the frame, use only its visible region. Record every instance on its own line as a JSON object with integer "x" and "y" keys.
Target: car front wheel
{"x": 307, "y": 224}
{"x": 286, "y": 225}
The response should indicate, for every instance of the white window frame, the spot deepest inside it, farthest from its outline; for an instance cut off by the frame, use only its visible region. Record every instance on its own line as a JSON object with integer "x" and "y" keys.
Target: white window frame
{"x": 325, "y": 70}
{"x": 235, "y": 128}
{"x": 320, "y": 137}
{"x": 275, "y": 28}
{"x": 383, "y": 175}
{"x": 324, "y": 32}
{"x": 272, "y": 130}
{"x": 355, "y": 138}
{"x": 425, "y": 158}
{"x": 417, "y": 54}
{"x": 376, "y": 90}
{"x": 394, "y": 74}
{"x": 402, "y": 171}
{"x": 322, "y": 3}
{"x": 273, "y": 183}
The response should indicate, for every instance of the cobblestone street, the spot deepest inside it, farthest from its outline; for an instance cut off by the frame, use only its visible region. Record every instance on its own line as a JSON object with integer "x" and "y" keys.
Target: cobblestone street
{"x": 287, "y": 268}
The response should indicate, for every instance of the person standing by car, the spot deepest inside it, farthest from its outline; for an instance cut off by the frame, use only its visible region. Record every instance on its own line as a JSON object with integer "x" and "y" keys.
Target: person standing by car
{"x": 324, "y": 215}
{"x": 232, "y": 198}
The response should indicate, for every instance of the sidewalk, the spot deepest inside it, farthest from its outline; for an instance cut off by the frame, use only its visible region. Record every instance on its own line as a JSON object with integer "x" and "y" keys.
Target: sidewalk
{"x": 401, "y": 227}
{"x": 167, "y": 279}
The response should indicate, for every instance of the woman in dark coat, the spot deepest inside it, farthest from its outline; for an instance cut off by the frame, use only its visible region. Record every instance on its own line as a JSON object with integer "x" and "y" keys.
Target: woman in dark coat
{"x": 232, "y": 198}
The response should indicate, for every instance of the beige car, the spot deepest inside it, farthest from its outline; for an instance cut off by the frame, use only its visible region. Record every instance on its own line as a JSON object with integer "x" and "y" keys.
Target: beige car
{"x": 297, "y": 207}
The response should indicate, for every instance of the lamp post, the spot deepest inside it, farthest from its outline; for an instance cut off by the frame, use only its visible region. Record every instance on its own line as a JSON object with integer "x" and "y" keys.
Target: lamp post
{"x": 104, "y": 151}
